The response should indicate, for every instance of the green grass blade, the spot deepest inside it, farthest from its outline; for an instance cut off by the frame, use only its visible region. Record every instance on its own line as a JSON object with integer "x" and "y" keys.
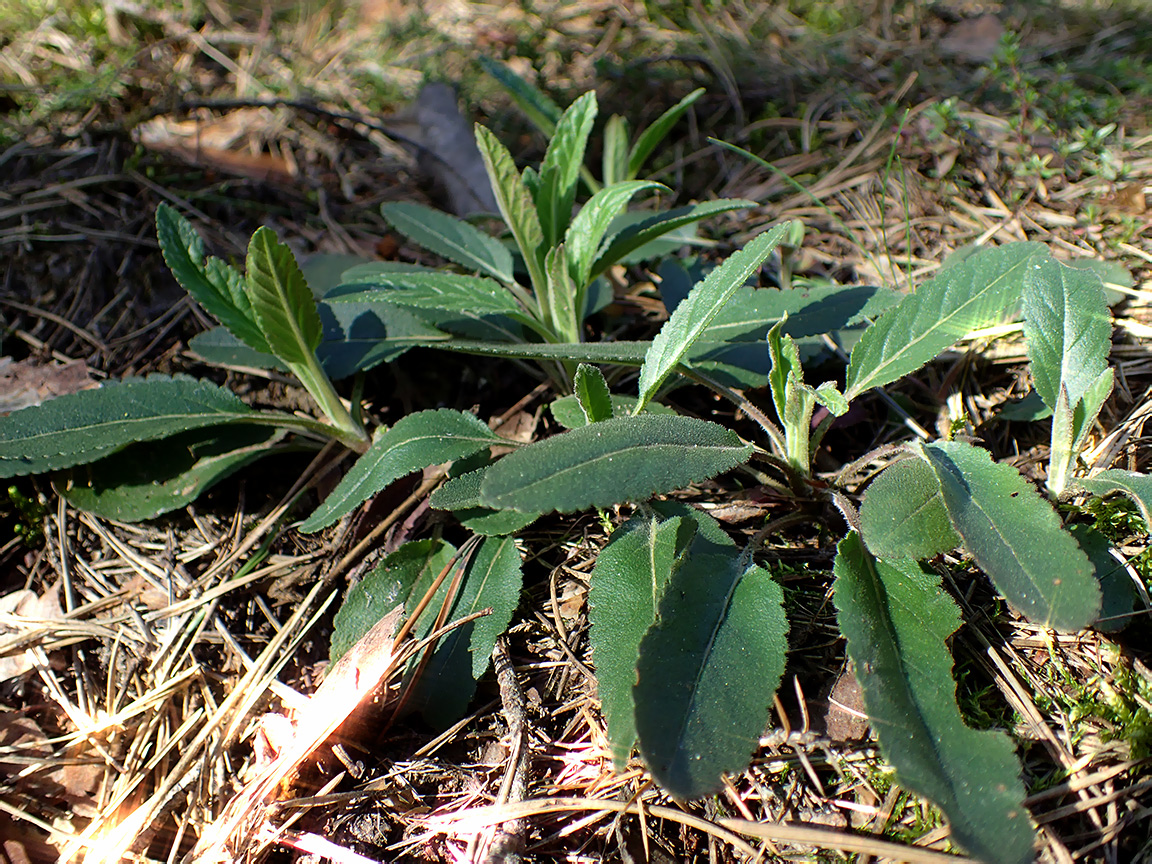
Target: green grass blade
{"x": 451, "y": 238}
{"x": 88, "y": 425}
{"x": 415, "y": 442}
{"x": 216, "y": 286}
{"x": 961, "y": 298}
{"x": 897, "y": 620}
{"x": 708, "y": 670}
{"x": 651, "y": 137}
{"x": 623, "y": 459}
{"x": 536, "y": 105}
{"x": 282, "y": 303}
{"x": 1015, "y": 536}
{"x": 697, "y": 310}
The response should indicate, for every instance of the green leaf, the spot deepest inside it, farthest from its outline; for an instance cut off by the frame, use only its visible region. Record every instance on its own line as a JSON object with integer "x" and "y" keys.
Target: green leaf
{"x": 219, "y": 347}
{"x": 703, "y": 302}
{"x": 903, "y": 514}
{"x": 144, "y": 480}
{"x": 472, "y": 296}
{"x": 563, "y": 295}
{"x": 415, "y": 442}
{"x": 389, "y": 585}
{"x": 85, "y": 426}
{"x": 1015, "y": 536}
{"x": 1137, "y": 487}
{"x": 627, "y": 583}
{"x": 615, "y": 156}
{"x": 450, "y": 238}
{"x": 461, "y": 495}
{"x": 568, "y": 413}
{"x": 216, "y": 286}
{"x": 623, "y": 353}
{"x": 282, "y": 303}
{"x": 1067, "y": 327}
{"x": 651, "y": 137}
{"x": 591, "y": 224}
{"x": 897, "y": 620}
{"x": 962, "y": 298}
{"x": 708, "y": 670}
{"x": 514, "y": 201}
{"x": 536, "y": 105}
{"x": 592, "y": 394}
{"x": 560, "y": 170}
{"x": 1117, "y": 591}
{"x": 492, "y": 581}
{"x": 624, "y": 459}
{"x": 634, "y": 236}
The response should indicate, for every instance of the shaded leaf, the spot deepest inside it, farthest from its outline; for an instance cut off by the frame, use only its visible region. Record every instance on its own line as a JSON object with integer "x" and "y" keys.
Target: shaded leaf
{"x": 1117, "y": 591}
{"x": 651, "y": 137}
{"x": 627, "y": 583}
{"x": 1015, "y": 537}
{"x": 450, "y": 238}
{"x": 144, "y": 480}
{"x": 969, "y": 295}
{"x": 897, "y": 620}
{"x": 536, "y": 105}
{"x": 1137, "y": 487}
{"x": 903, "y": 514}
{"x": 216, "y": 286}
{"x": 623, "y": 459}
{"x": 708, "y": 670}
{"x": 415, "y": 442}
{"x": 703, "y": 302}
{"x": 282, "y": 303}
{"x": 85, "y": 426}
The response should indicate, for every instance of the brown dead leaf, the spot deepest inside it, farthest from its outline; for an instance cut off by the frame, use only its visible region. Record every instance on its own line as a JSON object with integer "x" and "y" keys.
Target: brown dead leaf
{"x": 1128, "y": 198}
{"x": 845, "y": 718}
{"x": 17, "y": 607}
{"x": 25, "y": 383}
{"x": 973, "y": 40}
{"x": 216, "y": 143}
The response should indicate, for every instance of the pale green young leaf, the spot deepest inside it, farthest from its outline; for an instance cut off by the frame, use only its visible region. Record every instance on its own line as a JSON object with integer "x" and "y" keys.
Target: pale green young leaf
{"x": 651, "y": 137}
{"x": 281, "y": 300}
{"x": 623, "y": 459}
{"x": 634, "y": 236}
{"x": 415, "y": 442}
{"x": 591, "y": 224}
{"x": 514, "y": 201}
{"x": 216, "y": 286}
{"x": 1137, "y": 487}
{"x": 88, "y": 425}
{"x": 592, "y": 394}
{"x": 708, "y": 670}
{"x": 615, "y": 158}
{"x": 831, "y": 398}
{"x": 626, "y": 586}
{"x": 969, "y": 295}
{"x": 451, "y": 238}
{"x": 784, "y": 358}
{"x": 903, "y": 515}
{"x": 560, "y": 170}
{"x": 696, "y": 311}
{"x": 145, "y": 480}
{"x": 563, "y": 295}
{"x": 537, "y": 106}
{"x": 897, "y": 619}
{"x": 1015, "y": 536}
{"x": 1067, "y": 328}
{"x": 1088, "y": 408}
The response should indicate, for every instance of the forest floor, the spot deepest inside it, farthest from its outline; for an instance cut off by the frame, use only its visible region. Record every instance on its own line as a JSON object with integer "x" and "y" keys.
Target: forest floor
{"x": 898, "y": 133}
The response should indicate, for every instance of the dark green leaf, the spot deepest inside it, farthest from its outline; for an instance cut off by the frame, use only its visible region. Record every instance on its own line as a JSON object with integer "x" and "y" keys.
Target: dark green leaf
{"x": 626, "y": 586}
{"x": 897, "y": 619}
{"x": 464, "y": 295}
{"x": 536, "y": 105}
{"x": 219, "y": 347}
{"x": 147, "y": 479}
{"x": 703, "y": 302}
{"x": 635, "y": 236}
{"x": 415, "y": 442}
{"x": 216, "y": 286}
{"x": 624, "y": 459}
{"x": 903, "y": 515}
{"x": 592, "y": 394}
{"x": 461, "y": 495}
{"x": 969, "y": 295}
{"x": 1117, "y": 591}
{"x": 707, "y": 671}
{"x": 1027, "y": 410}
{"x": 567, "y": 411}
{"x": 85, "y": 426}
{"x": 282, "y": 303}
{"x": 323, "y": 271}
{"x": 451, "y": 238}
{"x": 1015, "y": 537}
